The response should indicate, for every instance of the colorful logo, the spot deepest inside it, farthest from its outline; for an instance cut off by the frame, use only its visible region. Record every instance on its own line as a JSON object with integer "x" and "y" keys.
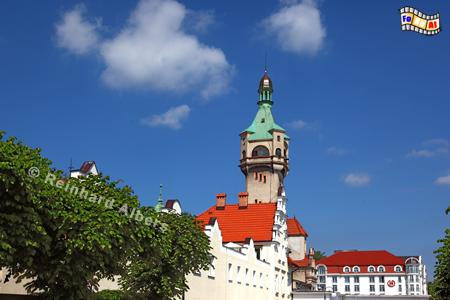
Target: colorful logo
{"x": 391, "y": 283}
{"x": 413, "y": 20}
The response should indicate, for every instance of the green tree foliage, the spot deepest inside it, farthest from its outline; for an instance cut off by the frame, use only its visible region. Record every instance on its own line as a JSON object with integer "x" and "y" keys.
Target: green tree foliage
{"x": 66, "y": 234}
{"x": 177, "y": 256}
{"x": 441, "y": 285}
{"x": 318, "y": 255}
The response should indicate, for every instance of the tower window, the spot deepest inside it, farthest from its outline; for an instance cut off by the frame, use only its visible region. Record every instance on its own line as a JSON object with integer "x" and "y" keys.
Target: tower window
{"x": 243, "y": 154}
{"x": 285, "y": 153}
{"x": 264, "y": 178}
{"x": 263, "y": 120}
{"x": 260, "y": 151}
{"x": 278, "y": 138}
{"x": 260, "y": 177}
{"x": 278, "y": 152}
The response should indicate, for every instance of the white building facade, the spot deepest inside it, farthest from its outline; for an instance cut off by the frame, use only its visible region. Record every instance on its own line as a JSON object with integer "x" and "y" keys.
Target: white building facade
{"x": 372, "y": 273}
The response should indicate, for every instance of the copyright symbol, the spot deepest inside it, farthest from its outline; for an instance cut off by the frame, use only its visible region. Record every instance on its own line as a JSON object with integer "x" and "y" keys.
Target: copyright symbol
{"x": 33, "y": 172}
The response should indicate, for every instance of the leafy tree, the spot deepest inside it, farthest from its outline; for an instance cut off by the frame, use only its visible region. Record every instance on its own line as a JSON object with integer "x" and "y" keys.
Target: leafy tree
{"x": 441, "y": 285}
{"x": 161, "y": 272}
{"x": 66, "y": 234}
{"x": 318, "y": 255}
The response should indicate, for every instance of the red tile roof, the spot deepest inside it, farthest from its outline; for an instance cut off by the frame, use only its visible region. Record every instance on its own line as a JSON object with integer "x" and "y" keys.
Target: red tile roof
{"x": 255, "y": 221}
{"x": 295, "y": 228}
{"x": 299, "y": 263}
{"x": 87, "y": 166}
{"x": 337, "y": 261}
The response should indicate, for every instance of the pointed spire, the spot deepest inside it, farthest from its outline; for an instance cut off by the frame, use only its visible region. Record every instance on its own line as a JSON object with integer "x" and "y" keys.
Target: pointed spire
{"x": 160, "y": 203}
{"x": 265, "y": 89}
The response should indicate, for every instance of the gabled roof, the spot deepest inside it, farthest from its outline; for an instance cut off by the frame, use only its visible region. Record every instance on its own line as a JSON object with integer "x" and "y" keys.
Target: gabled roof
{"x": 361, "y": 258}
{"x": 295, "y": 228}
{"x": 255, "y": 221}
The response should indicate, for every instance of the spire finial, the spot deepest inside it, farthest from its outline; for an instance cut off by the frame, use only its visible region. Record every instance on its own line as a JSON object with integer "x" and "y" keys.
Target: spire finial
{"x": 160, "y": 203}
{"x": 265, "y": 63}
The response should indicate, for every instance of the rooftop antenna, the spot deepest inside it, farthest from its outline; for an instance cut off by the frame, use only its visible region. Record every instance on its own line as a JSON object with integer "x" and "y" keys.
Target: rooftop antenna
{"x": 265, "y": 62}
{"x": 70, "y": 166}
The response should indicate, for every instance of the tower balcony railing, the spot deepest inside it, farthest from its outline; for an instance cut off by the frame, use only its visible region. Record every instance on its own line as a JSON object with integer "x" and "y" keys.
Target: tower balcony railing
{"x": 267, "y": 159}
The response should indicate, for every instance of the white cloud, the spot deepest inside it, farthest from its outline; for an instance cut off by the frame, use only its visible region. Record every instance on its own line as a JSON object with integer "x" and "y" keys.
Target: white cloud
{"x": 173, "y": 118}
{"x": 431, "y": 148}
{"x": 337, "y": 151}
{"x": 357, "y": 179}
{"x": 154, "y": 51}
{"x": 75, "y": 33}
{"x": 297, "y": 27}
{"x": 444, "y": 180}
{"x": 303, "y": 125}
{"x": 437, "y": 142}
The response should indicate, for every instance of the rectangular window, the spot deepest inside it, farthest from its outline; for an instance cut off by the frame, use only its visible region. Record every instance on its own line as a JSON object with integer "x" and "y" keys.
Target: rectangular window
{"x": 347, "y": 279}
{"x": 382, "y": 288}
{"x": 261, "y": 283}
{"x": 238, "y": 274}
{"x": 334, "y": 288}
{"x": 399, "y": 287}
{"x": 334, "y": 279}
{"x": 411, "y": 287}
{"x": 371, "y": 279}
{"x": 254, "y": 278}
{"x": 356, "y": 279}
{"x": 381, "y": 279}
{"x": 264, "y": 178}
{"x": 212, "y": 268}
{"x": 417, "y": 288}
{"x": 399, "y": 278}
{"x": 372, "y": 288}
{"x": 347, "y": 288}
{"x": 246, "y": 276}
{"x": 230, "y": 272}
{"x": 411, "y": 278}
{"x": 322, "y": 279}
{"x": 356, "y": 288}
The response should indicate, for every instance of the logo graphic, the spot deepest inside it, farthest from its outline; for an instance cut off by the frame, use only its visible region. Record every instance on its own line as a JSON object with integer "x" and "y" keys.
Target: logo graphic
{"x": 414, "y": 20}
{"x": 391, "y": 283}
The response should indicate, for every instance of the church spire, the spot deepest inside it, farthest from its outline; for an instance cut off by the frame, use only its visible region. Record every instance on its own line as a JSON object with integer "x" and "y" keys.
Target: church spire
{"x": 160, "y": 203}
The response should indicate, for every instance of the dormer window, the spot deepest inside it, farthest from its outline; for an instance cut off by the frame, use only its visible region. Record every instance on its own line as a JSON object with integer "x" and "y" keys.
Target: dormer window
{"x": 381, "y": 269}
{"x": 398, "y": 268}
{"x": 356, "y": 269}
{"x": 371, "y": 269}
{"x": 346, "y": 269}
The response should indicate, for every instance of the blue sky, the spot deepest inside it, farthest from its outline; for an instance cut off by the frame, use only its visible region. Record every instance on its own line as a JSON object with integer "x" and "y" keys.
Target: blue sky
{"x": 158, "y": 93}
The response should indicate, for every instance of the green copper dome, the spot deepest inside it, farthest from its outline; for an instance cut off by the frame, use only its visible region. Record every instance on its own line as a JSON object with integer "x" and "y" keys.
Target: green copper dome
{"x": 263, "y": 125}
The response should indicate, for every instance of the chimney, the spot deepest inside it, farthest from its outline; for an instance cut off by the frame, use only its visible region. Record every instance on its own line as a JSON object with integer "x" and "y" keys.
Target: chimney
{"x": 221, "y": 200}
{"x": 243, "y": 199}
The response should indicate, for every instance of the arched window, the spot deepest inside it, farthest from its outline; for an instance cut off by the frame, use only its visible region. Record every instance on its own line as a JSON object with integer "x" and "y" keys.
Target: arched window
{"x": 371, "y": 269}
{"x": 356, "y": 269}
{"x": 381, "y": 269}
{"x": 243, "y": 154}
{"x": 398, "y": 268}
{"x": 346, "y": 269}
{"x": 260, "y": 151}
{"x": 321, "y": 270}
{"x": 278, "y": 152}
